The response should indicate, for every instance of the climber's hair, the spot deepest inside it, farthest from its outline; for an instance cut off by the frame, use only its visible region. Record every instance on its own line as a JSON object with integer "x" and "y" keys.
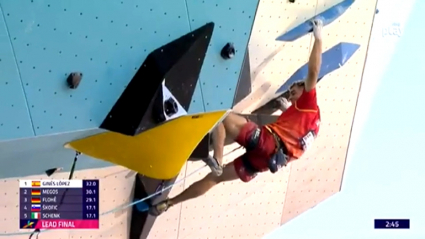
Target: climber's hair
{"x": 298, "y": 83}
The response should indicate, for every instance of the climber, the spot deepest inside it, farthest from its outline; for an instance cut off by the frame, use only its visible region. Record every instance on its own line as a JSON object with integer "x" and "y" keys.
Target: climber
{"x": 268, "y": 148}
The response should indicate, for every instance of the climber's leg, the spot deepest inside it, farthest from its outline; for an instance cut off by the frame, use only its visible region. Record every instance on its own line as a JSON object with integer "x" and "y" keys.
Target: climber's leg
{"x": 230, "y": 128}
{"x": 196, "y": 189}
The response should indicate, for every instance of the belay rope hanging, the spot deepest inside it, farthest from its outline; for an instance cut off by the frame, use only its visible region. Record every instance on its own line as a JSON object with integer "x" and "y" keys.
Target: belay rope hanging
{"x": 71, "y": 173}
{"x": 37, "y": 231}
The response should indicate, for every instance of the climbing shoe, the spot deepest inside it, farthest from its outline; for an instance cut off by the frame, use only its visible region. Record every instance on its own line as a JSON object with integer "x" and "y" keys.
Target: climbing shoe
{"x": 215, "y": 167}
{"x": 159, "y": 208}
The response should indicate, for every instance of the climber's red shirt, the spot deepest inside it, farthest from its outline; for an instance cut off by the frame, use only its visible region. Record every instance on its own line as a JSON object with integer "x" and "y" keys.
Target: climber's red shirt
{"x": 299, "y": 125}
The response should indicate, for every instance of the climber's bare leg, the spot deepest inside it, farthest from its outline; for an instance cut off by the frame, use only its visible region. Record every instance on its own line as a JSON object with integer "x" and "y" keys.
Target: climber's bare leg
{"x": 197, "y": 189}
{"x": 202, "y": 186}
{"x": 228, "y": 129}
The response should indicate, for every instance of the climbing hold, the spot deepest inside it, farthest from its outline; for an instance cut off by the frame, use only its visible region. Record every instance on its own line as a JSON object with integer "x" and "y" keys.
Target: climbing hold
{"x": 165, "y": 73}
{"x": 228, "y": 51}
{"x": 328, "y": 16}
{"x": 50, "y": 172}
{"x": 170, "y": 107}
{"x": 150, "y": 152}
{"x": 291, "y": 1}
{"x": 74, "y": 79}
{"x": 332, "y": 59}
{"x": 165, "y": 106}
{"x": 377, "y": 11}
{"x": 142, "y": 206}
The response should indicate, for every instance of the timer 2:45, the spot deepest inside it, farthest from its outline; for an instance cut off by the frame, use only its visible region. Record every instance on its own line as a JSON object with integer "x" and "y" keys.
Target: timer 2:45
{"x": 392, "y": 224}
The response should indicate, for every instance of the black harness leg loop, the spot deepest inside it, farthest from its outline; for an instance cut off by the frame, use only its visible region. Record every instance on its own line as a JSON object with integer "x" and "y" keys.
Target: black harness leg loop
{"x": 251, "y": 145}
{"x": 253, "y": 140}
{"x": 280, "y": 158}
{"x": 277, "y": 161}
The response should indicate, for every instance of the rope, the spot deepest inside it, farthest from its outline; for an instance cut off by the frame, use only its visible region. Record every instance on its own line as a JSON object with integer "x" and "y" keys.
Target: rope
{"x": 36, "y": 232}
{"x": 115, "y": 209}
{"x": 153, "y": 194}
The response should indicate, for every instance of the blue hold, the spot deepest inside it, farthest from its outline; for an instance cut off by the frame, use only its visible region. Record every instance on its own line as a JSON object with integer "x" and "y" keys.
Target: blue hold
{"x": 142, "y": 206}
{"x": 332, "y": 59}
{"x": 327, "y": 17}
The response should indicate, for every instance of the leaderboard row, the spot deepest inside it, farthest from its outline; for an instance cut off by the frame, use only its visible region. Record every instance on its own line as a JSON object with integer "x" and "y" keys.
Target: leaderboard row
{"x": 59, "y": 204}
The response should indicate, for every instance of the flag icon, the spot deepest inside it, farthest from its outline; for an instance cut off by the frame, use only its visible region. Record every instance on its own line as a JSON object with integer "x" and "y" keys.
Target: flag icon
{"x": 35, "y": 215}
{"x": 35, "y": 207}
{"x": 35, "y": 184}
{"x": 36, "y": 192}
{"x": 35, "y": 200}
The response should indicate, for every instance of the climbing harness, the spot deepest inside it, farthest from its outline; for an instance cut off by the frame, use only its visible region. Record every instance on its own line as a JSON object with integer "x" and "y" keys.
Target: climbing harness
{"x": 278, "y": 160}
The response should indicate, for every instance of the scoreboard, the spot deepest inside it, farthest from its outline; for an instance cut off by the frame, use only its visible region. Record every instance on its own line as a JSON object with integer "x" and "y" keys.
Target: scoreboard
{"x": 59, "y": 204}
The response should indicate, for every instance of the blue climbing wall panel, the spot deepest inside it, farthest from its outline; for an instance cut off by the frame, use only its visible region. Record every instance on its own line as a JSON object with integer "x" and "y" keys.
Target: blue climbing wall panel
{"x": 219, "y": 78}
{"x": 106, "y": 41}
{"x": 327, "y": 17}
{"x": 332, "y": 60}
{"x": 14, "y": 119}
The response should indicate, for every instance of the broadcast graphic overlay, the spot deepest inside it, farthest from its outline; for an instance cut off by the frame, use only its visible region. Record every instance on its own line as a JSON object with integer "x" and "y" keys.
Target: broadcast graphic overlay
{"x": 59, "y": 204}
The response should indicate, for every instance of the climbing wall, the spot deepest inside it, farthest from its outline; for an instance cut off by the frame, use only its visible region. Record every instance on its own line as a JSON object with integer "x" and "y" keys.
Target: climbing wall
{"x": 319, "y": 173}
{"x": 238, "y": 210}
{"x": 43, "y": 41}
{"x": 234, "y": 21}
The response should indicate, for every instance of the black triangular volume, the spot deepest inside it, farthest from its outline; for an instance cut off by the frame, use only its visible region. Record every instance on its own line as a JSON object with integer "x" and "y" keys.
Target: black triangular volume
{"x": 51, "y": 171}
{"x": 137, "y": 218}
{"x": 157, "y": 110}
{"x": 141, "y": 222}
{"x": 202, "y": 150}
{"x": 179, "y": 63}
{"x": 183, "y": 77}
